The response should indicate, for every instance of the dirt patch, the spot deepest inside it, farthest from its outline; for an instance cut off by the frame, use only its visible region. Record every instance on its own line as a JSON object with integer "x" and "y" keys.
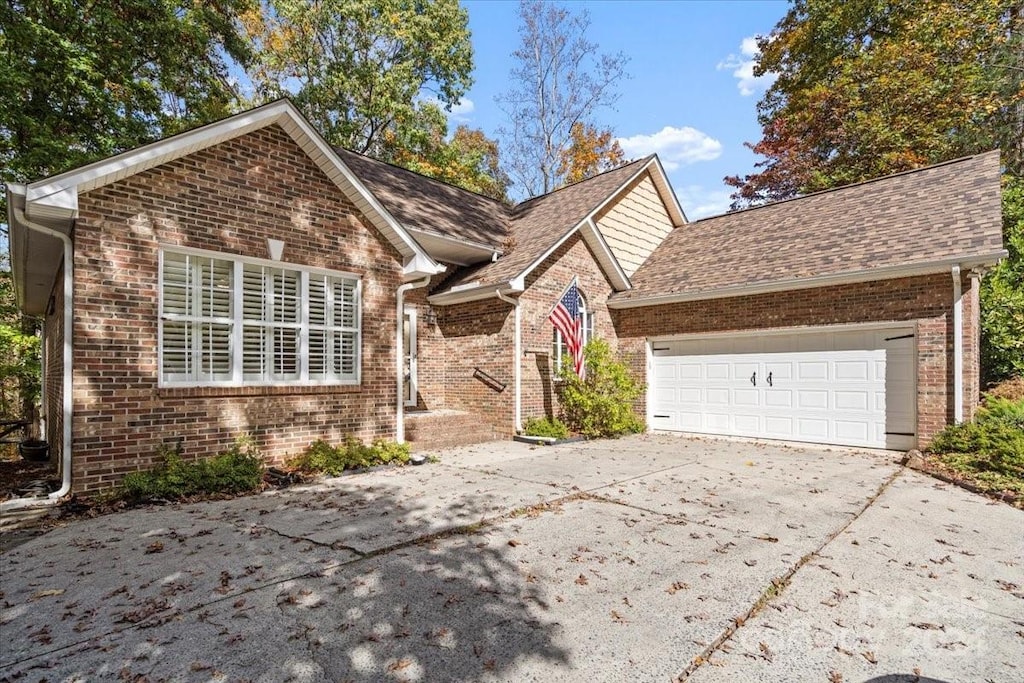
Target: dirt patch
{"x": 17, "y": 474}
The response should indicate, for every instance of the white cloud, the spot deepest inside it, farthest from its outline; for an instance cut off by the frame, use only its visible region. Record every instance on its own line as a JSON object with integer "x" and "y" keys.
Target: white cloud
{"x": 743, "y": 68}
{"x": 461, "y": 110}
{"x": 674, "y": 146}
{"x": 699, "y": 202}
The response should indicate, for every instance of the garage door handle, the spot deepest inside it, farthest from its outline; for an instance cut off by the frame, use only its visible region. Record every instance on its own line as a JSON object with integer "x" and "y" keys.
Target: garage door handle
{"x": 769, "y": 379}
{"x": 753, "y": 379}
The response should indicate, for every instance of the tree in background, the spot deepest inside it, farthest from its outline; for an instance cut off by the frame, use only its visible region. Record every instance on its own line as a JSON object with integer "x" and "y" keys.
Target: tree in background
{"x": 560, "y": 80}
{"x": 469, "y": 159}
{"x": 85, "y": 80}
{"x": 19, "y": 354}
{"x": 871, "y": 87}
{"x": 590, "y": 152}
{"x": 360, "y": 69}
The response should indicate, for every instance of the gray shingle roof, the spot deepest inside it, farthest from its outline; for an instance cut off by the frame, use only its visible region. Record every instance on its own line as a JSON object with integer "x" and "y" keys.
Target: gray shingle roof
{"x": 532, "y": 227}
{"x": 538, "y": 224}
{"x": 937, "y": 213}
{"x": 422, "y": 203}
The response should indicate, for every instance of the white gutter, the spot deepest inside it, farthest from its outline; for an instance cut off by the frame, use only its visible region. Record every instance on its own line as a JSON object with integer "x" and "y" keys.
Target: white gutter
{"x": 518, "y": 357}
{"x": 851, "y": 277}
{"x": 68, "y": 390}
{"x": 958, "y": 345}
{"x": 400, "y": 355}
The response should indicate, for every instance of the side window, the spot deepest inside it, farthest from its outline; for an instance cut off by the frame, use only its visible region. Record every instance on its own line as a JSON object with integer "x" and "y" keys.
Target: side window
{"x": 558, "y": 345}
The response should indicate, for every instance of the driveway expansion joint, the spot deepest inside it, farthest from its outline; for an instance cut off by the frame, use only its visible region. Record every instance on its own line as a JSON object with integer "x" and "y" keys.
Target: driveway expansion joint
{"x": 777, "y": 585}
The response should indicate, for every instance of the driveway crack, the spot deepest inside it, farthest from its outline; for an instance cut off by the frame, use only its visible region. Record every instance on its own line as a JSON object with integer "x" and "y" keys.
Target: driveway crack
{"x": 777, "y": 585}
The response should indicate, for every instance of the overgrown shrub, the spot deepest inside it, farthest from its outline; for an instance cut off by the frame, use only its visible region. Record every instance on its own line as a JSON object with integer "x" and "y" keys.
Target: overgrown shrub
{"x": 544, "y": 426}
{"x": 601, "y": 404}
{"x": 995, "y": 437}
{"x": 238, "y": 470}
{"x": 1002, "y": 295}
{"x": 323, "y": 458}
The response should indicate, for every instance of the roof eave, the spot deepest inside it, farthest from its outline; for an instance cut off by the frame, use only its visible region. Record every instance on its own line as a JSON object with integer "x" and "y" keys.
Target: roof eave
{"x": 475, "y": 293}
{"x": 58, "y": 195}
{"x": 852, "y": 277}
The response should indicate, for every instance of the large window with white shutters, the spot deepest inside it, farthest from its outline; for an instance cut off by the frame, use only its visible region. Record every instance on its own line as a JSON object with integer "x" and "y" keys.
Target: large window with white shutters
{"x": 232, "y": 321}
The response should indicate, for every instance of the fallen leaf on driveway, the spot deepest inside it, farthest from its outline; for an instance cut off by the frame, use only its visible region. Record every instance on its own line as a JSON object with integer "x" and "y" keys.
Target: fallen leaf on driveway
{"x": 770, "y": 539}
{"x": 750, "y": 563}
{"x": 154, "y": 547}
{"x": 925, "y": 626}
{"x": 870, "y": 656}
{"x": 582, "y": 580}
{"x": 676, "y": 587}
{"x": 46, "y": 593}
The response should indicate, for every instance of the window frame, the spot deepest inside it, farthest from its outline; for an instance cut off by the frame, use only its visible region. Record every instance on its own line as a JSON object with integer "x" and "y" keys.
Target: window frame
{"x": 558, "y": 349}
{"x": 239, "y": 322}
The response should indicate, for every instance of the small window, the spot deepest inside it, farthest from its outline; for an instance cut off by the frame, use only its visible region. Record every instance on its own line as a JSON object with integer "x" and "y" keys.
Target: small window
{"x": 558, "y": 348}
{"x": 238, "y": 322}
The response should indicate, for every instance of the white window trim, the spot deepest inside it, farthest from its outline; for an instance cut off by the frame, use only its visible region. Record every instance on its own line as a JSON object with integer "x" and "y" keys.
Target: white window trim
{"x": 589, "y": 332}
{"x": 239, "y": 262}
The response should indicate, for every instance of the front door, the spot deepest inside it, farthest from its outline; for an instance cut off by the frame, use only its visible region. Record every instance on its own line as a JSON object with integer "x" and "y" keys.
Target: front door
{"x": 409, "y": 357}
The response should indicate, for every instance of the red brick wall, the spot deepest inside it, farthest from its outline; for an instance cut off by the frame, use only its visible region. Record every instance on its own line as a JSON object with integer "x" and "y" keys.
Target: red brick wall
{"x": 477, "y": 335}
{"x": 543, "y": 288}
{"x": 926, "y": 300}
{"x": 229, "y": 198}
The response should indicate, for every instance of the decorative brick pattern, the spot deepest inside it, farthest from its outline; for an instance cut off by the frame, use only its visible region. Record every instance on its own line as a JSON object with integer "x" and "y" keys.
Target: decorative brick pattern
{"x": 229, "y": 198}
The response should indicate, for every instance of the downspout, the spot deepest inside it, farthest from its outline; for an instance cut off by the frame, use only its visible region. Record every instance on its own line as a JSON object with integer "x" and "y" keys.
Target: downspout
{"x": 68, "y": 389}
{"x": 958, "y": 346}
{"x": 400, "y": 355}
{"x": 517, "y": 370}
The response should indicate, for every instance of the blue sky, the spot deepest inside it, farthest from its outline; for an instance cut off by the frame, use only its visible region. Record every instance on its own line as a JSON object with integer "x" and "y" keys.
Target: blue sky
{"x": 686, "y": 65}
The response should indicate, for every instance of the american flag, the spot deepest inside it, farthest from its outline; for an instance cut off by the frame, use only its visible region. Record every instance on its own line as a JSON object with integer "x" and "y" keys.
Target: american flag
{"x": 567, "y": 320}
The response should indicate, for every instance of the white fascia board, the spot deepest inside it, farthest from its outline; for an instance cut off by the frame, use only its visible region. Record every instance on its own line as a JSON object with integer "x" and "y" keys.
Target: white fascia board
{"x": 886, "y": 273}
{"x": 469, "y": 244}
{"x": 592, "y": 235}
{"x": 420, "y": 266}
{"x": 589, "y": 218}
{"x": 61, "y": 192}
{"x": 135, "y": 160}
{"x": 668, "y": 193}
{"x": 474, "y": 294}
{"x": 405, "y": 244}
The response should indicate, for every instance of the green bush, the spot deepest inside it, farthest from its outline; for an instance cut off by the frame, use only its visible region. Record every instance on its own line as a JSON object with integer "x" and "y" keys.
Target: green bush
{"x": 602, "y": 404}
{"x": 995, "y": 437}
{"x": 544, "y": 426}
{"x": 236, "y": 471}
{"x": 1002, "y": 294}
{"x": 323, "y": 458}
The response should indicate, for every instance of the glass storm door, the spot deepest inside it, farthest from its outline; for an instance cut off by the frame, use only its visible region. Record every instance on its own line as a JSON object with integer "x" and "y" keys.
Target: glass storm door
{"x": 409, "y": 356}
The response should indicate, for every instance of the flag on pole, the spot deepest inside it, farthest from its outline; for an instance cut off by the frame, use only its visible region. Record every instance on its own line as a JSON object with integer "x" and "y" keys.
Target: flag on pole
{"x": 567, "y": 319}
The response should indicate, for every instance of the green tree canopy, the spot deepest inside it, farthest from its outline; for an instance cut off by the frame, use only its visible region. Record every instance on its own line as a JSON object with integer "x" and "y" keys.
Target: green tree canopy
{"x": 870, "y": 87}
{"x": 82, "y": 79}
{"x": 360, "y": 70}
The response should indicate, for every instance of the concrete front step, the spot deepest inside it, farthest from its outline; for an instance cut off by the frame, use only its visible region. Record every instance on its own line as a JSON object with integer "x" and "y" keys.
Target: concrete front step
{"x": 435, "y": 429}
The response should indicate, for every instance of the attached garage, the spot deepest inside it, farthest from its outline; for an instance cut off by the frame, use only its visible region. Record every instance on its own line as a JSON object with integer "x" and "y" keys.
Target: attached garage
{"x": 846, "y": 387}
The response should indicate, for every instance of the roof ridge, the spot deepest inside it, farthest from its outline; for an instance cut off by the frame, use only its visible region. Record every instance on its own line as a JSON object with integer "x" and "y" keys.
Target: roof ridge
{"x": 585, "y": 180}
{"x": 425, "y": 177}
{"x": 859, "y": 183}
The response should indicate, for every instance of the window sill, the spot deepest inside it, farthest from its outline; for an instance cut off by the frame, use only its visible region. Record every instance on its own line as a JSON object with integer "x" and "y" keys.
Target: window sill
{"x": 214, "y": 391}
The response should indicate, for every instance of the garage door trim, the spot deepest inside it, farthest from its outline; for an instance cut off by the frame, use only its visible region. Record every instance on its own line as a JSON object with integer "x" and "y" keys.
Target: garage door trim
{"x": 653, "y": 341}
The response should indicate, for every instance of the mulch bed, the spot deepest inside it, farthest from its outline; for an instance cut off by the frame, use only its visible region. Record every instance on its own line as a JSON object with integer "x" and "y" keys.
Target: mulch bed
{"x": 17, "y": 473}
{"x": 932, "y": 467}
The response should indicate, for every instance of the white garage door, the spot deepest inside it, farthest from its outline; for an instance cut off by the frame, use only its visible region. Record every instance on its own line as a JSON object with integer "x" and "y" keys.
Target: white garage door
{"x": 854, "y": 388}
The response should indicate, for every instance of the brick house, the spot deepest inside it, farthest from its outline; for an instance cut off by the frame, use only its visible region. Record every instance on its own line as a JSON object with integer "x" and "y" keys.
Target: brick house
{"x": 244, "y": 277}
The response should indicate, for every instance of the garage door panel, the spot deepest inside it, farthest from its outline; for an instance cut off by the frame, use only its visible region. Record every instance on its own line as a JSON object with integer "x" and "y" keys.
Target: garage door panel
{"x": 851, "y": 371}
{"x": 717, "y": 396}
{"x": 815, "y": 400}
{"x": 852, "y": 387}
{"x": 812, "y": 370}
{"x": 852, "y": 400}
{"x": 746, "y": 397}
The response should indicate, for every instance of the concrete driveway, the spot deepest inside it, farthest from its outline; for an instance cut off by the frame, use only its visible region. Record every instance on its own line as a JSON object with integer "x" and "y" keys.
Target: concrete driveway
{"x": 648, "y": 558}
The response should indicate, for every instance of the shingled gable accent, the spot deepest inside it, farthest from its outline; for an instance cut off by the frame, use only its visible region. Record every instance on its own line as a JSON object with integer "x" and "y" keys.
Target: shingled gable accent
{"x": 911, "y": 223}
{"x": 54, "y": 201}
{"x": 541, "y": 225}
